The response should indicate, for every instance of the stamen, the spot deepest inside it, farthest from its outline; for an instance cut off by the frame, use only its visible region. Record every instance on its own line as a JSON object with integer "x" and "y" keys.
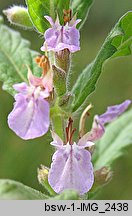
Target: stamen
{"x": 70, "y": 122}
{"x": 43, "y": 62}
{"x": 69, "y": 131}
{"x": 83, "y": 118}
{"x": 70, "y": 140}
{"x": 67, "y": 137}
{"x": 67, "y": 16}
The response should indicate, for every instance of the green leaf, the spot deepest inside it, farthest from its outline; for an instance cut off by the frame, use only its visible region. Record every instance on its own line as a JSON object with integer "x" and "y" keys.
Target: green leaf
{"x": 12, "y": 190}
{"x": 81, "y": 8}
{"x": 38, "y": 9}
{"x": 67, "y": 195}
{"x": 116, "y": 44}
{"x": 14, "y": 56}
{"x": 118, "y": 136}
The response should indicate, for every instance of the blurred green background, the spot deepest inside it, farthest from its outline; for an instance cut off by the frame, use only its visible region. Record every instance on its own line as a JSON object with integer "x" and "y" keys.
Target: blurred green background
{"x": 20, "y": 159}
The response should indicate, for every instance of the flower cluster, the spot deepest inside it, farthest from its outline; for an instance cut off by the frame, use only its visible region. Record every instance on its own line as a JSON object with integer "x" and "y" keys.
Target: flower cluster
{"x": 71, "y": 166}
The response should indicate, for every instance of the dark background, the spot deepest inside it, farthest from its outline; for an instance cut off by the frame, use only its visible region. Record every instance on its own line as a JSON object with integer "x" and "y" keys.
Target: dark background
{"x": 20, "y": 159}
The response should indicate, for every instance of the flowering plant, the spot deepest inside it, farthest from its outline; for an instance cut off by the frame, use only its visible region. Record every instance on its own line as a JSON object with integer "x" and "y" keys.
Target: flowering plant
{"x": 39, "y": 84}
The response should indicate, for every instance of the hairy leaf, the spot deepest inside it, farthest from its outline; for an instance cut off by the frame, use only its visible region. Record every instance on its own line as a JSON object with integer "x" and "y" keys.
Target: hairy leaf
{"x": 118, "y": 136}
{"x": 38, "y": 9}
{"x": 15, "y": 55}
{"x": 116, "y": 44}
{"x": 81, "y": 8}
{"x": 12, "y": 190}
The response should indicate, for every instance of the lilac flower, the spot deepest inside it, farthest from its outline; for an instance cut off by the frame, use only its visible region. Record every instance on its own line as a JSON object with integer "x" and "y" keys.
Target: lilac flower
{"x": 112, "y": 112}
{"x": 30, "y": 117}
{"x": 71, "y": 167}
{"x": 60, "y": 37}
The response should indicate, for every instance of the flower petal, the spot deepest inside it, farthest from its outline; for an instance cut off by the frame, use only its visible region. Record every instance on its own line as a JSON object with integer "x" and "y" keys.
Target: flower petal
{"x": 83, "y": 142}
{"x": 21, "y": 87}
{"x": 33, "y": 80}
{"x": 71, "y": 169}
{"x": 57, "y": 141}
{"x": 47, "y": 81}
{"x": 112, "y": 112}
{"x": 50, "y": 20}
{"x": 52, "y": 37}
{"x": 44, "y": 93}
{"x": 62, "y": 46}
{"x": 97, "y": 130}
{"x": 29, "y": 118}
{"x": 60, "y": 37}
{"x": 74, "y": 21}
{"x": 72, "y": 37}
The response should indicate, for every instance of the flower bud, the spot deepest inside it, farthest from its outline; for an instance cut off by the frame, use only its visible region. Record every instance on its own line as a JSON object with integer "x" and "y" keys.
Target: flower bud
{"x": 62, "y": 59}
{"x": 19, "y": 16}
{"x": 102, "y": 176}
{"x": 43, "y": 179}
{"x": 65, "y": 99}
{"x": 59, "y": 80}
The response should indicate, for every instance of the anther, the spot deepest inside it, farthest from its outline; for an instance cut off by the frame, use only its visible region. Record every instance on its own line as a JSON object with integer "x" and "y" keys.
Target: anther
{"x": 69, "y": 131}
{"x": 43, "y": 62}
{"x": 70, "y": 140}
{"x": 67, "y": 15}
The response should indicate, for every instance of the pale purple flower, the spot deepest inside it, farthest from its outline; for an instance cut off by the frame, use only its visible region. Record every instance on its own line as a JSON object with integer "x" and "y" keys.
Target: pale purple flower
{"x": 111, "y": 114}
{"x": 71, "y": 167}
{"x": 59, "y": 37}
{"x": 30, "y": 116}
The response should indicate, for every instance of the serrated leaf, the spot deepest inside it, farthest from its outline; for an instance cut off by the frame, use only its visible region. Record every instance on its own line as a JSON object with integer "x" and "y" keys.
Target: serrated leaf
{"x": 118, "y": 136}
{"x": 81, "y": 8}
{"x": 12, "y": 190}
{"x": 38, "y": 9}
{"x": 14, "y": 56}
{"x": 118, "y": 43}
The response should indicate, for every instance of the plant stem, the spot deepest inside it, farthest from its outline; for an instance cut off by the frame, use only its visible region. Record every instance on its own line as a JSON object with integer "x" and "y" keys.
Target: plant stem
{"x": 58, "y": 120}
{"x": 58, "y": 125}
